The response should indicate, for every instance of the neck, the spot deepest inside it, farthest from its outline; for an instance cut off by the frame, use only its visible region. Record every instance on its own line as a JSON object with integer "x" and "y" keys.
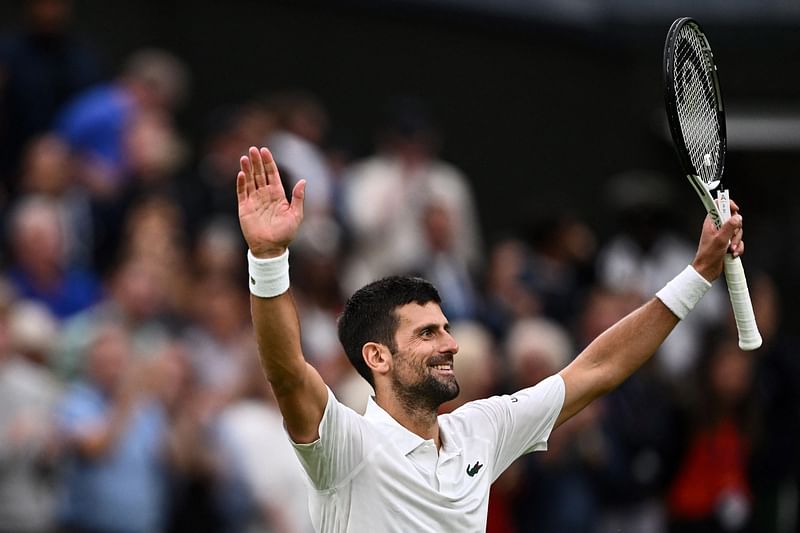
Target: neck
{"x": 419, "y": 419}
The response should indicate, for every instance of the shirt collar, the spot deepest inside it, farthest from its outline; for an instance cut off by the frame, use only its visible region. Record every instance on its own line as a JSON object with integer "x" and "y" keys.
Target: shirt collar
{"x": 404, "y": 439}
{"x": 407, "y": 441}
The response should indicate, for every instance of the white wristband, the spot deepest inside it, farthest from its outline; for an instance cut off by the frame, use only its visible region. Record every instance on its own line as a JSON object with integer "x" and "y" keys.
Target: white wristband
{"x": 268, "y": 277}
{"x": 684, "y": 291}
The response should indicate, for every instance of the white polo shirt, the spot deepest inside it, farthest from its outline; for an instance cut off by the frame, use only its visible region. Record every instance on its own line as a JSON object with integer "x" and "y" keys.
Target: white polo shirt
{"x": 370, "y": 474}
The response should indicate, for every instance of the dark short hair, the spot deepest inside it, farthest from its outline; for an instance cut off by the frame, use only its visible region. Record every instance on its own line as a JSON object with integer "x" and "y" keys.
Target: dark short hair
{"x": 369, "y": 315}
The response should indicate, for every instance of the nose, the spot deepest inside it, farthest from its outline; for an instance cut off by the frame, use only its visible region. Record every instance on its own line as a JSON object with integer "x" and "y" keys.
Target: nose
{"x": 449, "y": 345}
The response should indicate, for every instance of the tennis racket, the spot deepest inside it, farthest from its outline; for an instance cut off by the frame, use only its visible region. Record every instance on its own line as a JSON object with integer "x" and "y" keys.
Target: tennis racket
{"x": 697, "y": 122}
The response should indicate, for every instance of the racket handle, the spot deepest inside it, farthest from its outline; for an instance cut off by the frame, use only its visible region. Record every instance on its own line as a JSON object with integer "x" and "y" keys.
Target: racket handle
{"x": 749, "y": 337}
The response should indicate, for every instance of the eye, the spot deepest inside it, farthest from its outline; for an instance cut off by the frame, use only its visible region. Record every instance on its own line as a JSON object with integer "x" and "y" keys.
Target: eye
{"x": 426, "y": 332}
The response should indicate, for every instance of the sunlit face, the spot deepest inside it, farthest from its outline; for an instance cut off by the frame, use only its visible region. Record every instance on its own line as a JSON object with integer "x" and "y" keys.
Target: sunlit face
{"x": 422, "y": 372}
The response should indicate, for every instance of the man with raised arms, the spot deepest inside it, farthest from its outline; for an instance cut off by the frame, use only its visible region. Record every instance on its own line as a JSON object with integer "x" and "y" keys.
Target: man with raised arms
{"x": 402, "y": 467}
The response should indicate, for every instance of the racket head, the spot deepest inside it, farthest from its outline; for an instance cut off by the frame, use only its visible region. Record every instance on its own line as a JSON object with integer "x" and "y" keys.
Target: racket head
{"x": 695, "y": 110}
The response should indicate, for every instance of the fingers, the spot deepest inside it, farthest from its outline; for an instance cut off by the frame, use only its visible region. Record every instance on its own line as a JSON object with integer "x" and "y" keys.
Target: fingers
{"x": 271, "y": 169}
{"x": 259, "y": 173}
{"x": 298, "y": 198}
{"x": 732, "y": 230}
{"x": 715, "y": 243}
{"x": 241, "y": 187}
{"x": 247, "y": 173}
{"x": 737, "y": 244}
{"x": 731, "y": 226}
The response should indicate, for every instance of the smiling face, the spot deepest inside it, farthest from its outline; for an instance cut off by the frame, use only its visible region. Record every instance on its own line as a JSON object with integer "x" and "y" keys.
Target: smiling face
{"x": 422, "y": 373}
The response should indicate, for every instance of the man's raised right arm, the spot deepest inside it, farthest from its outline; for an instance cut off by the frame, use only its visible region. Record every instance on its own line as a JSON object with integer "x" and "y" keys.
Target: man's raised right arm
{"x": 269, "y": 223}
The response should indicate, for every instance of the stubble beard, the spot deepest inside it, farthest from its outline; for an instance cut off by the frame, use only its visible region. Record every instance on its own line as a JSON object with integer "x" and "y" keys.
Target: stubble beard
{"x": 427, "y": 393}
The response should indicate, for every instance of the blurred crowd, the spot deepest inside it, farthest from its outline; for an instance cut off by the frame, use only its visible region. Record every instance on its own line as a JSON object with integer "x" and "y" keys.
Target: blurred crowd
{"x": 131, "y": 399}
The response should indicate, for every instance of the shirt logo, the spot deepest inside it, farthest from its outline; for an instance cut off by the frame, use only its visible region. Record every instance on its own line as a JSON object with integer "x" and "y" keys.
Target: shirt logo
{"x": 252, "y": 280}
{"x": 472, "y": 470}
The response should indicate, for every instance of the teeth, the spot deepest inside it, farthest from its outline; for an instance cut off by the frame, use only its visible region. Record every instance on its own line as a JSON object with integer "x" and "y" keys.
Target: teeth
{"x": 442, "y": 367}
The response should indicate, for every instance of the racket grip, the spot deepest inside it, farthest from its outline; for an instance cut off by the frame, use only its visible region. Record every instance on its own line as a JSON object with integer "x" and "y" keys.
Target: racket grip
{"x": 749, "y": 337}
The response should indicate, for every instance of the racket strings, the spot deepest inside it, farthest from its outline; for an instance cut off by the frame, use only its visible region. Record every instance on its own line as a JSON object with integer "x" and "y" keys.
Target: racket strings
{"x": 697, "y": 105}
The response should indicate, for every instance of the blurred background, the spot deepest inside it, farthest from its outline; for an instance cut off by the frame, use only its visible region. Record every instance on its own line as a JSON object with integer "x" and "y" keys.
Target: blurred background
{"x": 514, "y": 153}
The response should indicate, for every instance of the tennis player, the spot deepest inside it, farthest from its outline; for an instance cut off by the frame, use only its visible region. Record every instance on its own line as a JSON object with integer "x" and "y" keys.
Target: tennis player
{"x": 401, "y": 467}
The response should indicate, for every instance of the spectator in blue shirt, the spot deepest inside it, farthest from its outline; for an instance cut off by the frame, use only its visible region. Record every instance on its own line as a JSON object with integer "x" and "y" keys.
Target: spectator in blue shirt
{"x": 114, "y": 429}
{"x": 40, "y": 269}
{"x": 96, "y": 121}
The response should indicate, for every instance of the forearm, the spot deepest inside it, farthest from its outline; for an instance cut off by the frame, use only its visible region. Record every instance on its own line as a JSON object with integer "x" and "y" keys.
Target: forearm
{"x": 277, "y": 329}
{"x": 298, "y": 387}
{"x": 627, "y": 345}
{"x": 616, "y": 354}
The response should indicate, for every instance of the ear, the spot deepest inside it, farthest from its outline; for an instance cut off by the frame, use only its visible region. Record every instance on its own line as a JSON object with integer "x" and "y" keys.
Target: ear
{"x": 377, "y": 357}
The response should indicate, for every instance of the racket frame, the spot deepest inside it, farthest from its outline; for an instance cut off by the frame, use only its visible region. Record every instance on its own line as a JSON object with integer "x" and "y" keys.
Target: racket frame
{"x": 670, "y": 96}
{"x": 749, "y": 337}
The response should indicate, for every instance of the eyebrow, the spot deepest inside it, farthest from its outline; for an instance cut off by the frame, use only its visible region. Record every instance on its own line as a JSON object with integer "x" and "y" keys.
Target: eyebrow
{"x": 432, "y": 325}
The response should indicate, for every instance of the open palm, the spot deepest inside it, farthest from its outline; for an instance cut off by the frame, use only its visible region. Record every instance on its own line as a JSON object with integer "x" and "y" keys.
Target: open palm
{"x": 269, "y": 222}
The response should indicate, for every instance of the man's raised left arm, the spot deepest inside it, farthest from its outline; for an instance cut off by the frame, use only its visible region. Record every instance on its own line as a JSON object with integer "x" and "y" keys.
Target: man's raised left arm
{"x": 623, "y": 348}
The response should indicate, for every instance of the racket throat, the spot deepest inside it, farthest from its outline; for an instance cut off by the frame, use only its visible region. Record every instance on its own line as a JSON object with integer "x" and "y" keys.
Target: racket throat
{"x": 705, "y": 195}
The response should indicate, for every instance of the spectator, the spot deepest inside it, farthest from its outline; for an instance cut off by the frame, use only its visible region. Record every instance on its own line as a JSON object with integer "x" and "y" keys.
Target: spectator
{"x": 42, "y": 67}
{"x": 136, "y": 300}
{"x": 153, "y": 231}
{"x": 195, "y": 472}
{"x": 275, "y": 480}
{"x": 711, "y": 491}
{"x": 444, "y": 267}
{"x": 28, "y": 394}
{"x": 555, "y": 487}
{"x": 154, "y": 152}
{"x": 41, "y": 269}
{"x": 775, "y": 466}
{"x": 217, "y": 251}
{"x": 113, "y": 426}
{"x": 95, "y": 122}
{"x": 318, "y": 256}
{"x": 561, "y": 266}
{"x": 205, "y": 191}
{"x": 636, "y": 437}
{"x": 508, "y": 290}
{"x": 124, "y": 142}
{"x": 218, "y": 340}
{"x": 301, "y": 126}
{"x": 47, "y": 171}
{"x": 386, "y": 193}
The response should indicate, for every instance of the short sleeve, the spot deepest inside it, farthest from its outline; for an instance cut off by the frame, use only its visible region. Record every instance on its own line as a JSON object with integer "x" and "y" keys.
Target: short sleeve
{"x": 516, "y": 424}
{"x": 336, "y": 456}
